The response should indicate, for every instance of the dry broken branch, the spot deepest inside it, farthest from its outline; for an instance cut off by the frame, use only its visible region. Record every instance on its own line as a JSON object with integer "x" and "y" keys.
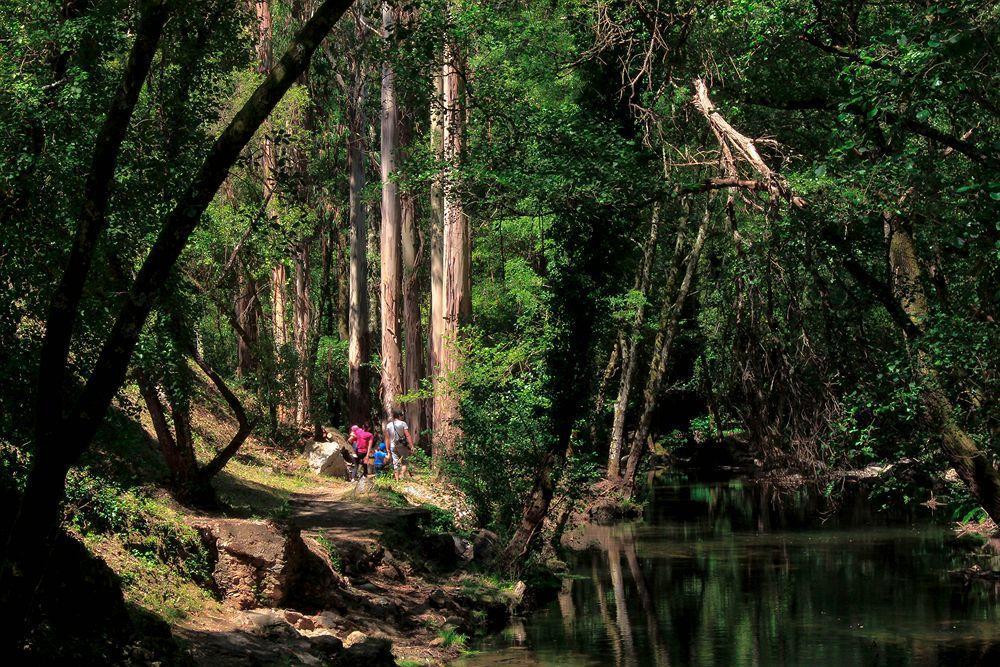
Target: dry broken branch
{"x": 735, "y": 149}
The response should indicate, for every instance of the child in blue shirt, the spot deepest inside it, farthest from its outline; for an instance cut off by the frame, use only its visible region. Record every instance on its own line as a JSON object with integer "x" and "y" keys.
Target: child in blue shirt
{"x": 381, "y": 458}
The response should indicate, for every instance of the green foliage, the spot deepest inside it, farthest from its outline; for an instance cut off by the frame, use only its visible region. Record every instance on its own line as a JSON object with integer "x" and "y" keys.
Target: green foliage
{"x": 148, "y": 530}
{"x": 452, "y": 637}
{"x": 440, "y": 521}
{"x": 336, "y": 560}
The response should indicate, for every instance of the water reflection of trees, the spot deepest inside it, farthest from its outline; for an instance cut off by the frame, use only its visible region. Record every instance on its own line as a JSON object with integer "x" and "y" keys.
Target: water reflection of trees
{"x": 732, "y": 583}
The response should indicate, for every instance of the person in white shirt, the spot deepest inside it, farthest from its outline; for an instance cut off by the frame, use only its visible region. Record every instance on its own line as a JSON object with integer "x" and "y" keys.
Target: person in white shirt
{"x": 397, "y": 436}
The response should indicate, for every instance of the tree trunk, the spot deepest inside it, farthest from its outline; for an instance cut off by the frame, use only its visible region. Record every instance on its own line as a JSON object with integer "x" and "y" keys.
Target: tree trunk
{"x": 455, "y": 256}
{"x": 358, "y": 407}
{"x": 602, "y": 388}
{"x": 392, "y": 362}
{"x": 630, "y": 349}
{"x": 572, "y": 310}
{"x": 303, "y": 309}
{"x": 343, "y": 253}
{"x": 663, "y": 346}
{"x": 243, "y": 431}
{"x": 178, "y": 456}
{"x": 269, "y": 177}
{"x": 247, "y": 308}
{"x": 975, "y": 467}
{"x": 437, "y": 246}
{"x": 60, "y": 443}
{"x": 412, "y": 258}
{"x": 64, "y": 307}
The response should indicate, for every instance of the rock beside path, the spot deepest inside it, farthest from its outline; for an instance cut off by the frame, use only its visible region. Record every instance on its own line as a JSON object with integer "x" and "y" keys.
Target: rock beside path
{"x": 330, "y": 456}
{"x": 256, "y": 562}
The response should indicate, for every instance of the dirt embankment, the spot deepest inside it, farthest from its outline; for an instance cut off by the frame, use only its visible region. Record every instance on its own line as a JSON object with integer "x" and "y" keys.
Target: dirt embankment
{"x": 345, "y": 579}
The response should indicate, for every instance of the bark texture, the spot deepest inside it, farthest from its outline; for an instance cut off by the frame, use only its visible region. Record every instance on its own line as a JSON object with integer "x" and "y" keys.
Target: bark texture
{"x": 389, "y": 240}
{"x": 436, "y": 319}
{"x": 455, "y": 250}
{"x": 358, "y": 400}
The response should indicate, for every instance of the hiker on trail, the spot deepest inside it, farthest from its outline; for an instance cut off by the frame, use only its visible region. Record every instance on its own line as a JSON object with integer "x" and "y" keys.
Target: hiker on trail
{"x": 362, "y": 441}
{"x": 380, "y": 458}
{"x": 397, "y": 434}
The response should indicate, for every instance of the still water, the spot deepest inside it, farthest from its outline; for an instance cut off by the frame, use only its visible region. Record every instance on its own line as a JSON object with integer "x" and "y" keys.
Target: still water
{"x": 735, "y": 573}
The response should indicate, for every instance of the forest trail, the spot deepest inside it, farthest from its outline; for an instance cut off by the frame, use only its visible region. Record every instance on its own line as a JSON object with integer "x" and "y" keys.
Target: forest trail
{"x": 377, "y": 594}
{"x": 347, "y": 509}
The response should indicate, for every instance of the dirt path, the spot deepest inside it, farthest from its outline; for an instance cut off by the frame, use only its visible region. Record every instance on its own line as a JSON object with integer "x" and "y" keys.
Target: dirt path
{"x": 377, "y": 593}
{"x": 345, "y": 509}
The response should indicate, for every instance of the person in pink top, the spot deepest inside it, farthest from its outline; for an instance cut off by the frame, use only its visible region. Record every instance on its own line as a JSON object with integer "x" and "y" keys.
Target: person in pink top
{"x": 362, "y": 441}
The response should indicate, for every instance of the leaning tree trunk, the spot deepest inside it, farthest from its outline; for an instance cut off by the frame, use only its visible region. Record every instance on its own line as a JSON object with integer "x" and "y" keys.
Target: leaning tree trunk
{"x": 392, "y": 362}
{"x": 662, "y": 349}
{"x": 59, "y": 442}
{"x": 974, "y": 466}
{"x": 630, "y": 350}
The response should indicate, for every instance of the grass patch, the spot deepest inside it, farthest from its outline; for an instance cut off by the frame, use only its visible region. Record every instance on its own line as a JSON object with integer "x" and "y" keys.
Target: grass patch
{"x": 336, "y": 560}
{"x": 161, "y": 561}
{"x": 452, "y": 637}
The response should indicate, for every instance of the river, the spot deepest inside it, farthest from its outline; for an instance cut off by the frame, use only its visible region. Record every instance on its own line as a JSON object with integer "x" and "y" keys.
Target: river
{"x": 736, "y": 573}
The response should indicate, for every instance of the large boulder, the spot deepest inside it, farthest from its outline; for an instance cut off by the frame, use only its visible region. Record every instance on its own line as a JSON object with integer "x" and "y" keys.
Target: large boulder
{"x": 330, "y": 456}
{"x": 484, "y": 546}
{"x": 256, "y": 562}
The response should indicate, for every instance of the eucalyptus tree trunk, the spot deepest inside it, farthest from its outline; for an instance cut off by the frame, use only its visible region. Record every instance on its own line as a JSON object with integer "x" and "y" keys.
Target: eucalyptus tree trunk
{"x": 413, "y": 371}
{"x": 389, "y": 240}
{"x": 455, "y": 257}
{"x": 247, "y": 316}
{"x": 269, "y": 177}
{"x": 342, "y": 242}
{"x": 304, "y": 320}
{"x": 436, "y": 320}
{"x": 630, "y": 349}
{"x": 358, "y": 403}
{"x": 669, "y": 323}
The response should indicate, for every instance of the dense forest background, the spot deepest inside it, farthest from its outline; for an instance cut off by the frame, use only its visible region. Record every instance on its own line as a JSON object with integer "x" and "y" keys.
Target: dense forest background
{"x": 558, "y": 234}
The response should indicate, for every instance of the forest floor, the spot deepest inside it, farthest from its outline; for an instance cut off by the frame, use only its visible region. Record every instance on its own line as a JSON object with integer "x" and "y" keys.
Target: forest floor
{"x": 394, "y": 558}
{"x": 425, "y": 612}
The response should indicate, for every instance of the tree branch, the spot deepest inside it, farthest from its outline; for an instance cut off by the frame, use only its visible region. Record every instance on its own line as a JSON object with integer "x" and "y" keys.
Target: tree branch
{"x": 112, "y": 364}
{"x": 223, "y": 456}
{"x": 64, "y": 307}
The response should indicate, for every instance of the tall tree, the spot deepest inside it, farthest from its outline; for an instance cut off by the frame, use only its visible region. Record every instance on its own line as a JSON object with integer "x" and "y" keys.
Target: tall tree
{"x": 269, "y": 179}
{"x": 389, "y": 246}
{"x": 412, "y": 258}
{"x": 436, "y": 319}
{"x": 358, "y": 401}
{"x": 456, "y": 255}
{"x": 64, "y": 432}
